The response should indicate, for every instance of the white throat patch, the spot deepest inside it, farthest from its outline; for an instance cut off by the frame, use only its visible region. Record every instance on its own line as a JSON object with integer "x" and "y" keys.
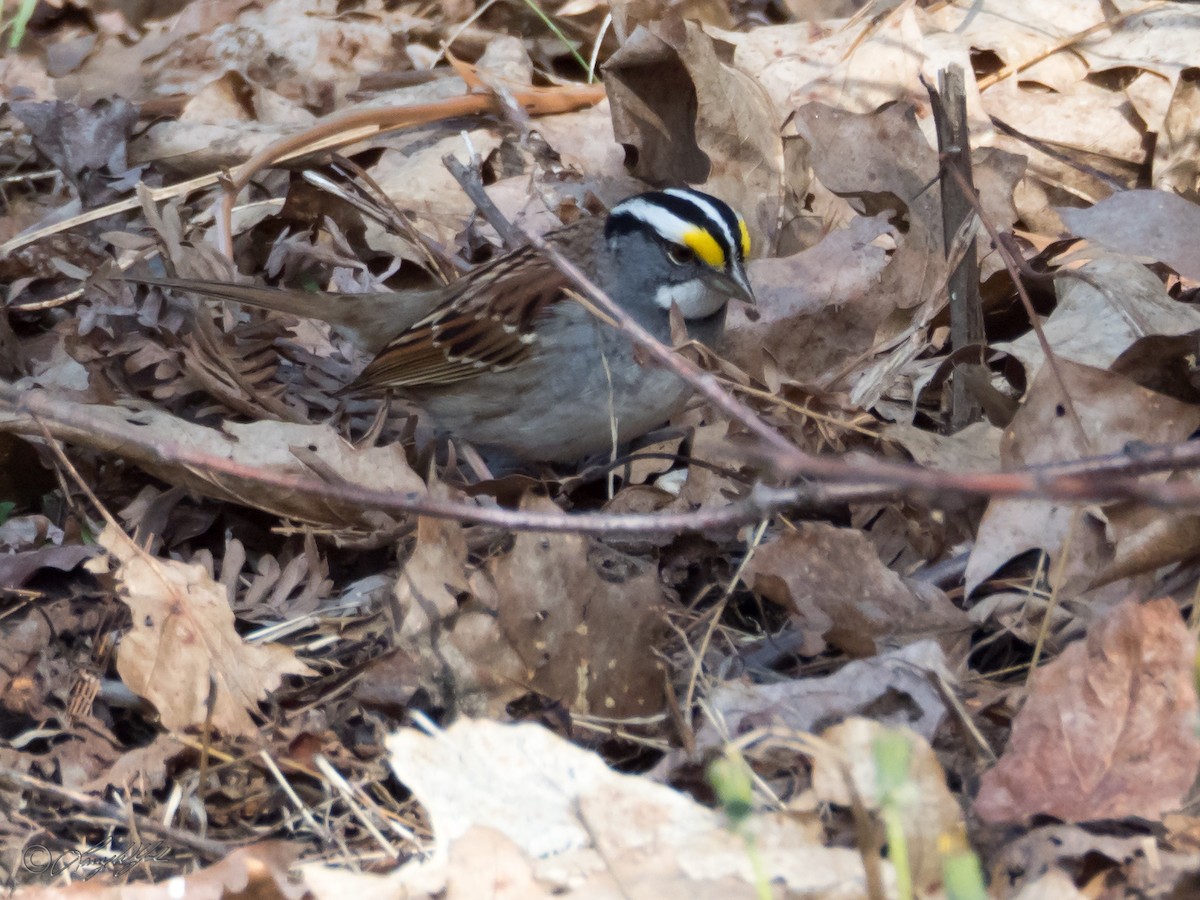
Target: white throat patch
{"x": 694, "y": 299}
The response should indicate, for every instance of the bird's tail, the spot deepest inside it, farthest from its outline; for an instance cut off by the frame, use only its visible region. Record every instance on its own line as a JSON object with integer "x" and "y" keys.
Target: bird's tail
{"x": 311, "y": 304}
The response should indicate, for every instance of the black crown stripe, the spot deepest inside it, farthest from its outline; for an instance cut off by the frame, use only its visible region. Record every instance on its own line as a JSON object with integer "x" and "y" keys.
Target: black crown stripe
{"x": 732, "y": 226}
{"x": 627, "y": 221}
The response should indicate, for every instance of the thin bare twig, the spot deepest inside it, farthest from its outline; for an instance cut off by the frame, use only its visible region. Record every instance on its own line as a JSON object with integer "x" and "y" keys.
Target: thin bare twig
{"x": 1015, "y": 266}
{"x": 203, "y": 847}
{"x": 1104, "y": 478}
{"x": 470, "y": 179}
{"x": 966, "y": 312}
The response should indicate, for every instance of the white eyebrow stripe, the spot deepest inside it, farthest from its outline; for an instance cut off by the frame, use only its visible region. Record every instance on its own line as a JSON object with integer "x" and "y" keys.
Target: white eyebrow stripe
{"x": 711, "y": 213}
{"x": 669, "y": 226}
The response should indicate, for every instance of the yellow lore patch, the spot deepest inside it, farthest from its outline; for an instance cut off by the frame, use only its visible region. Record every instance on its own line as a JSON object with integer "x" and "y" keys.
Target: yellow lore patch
{"x": 705, "y": 246}
{"x": 745, "y": 236}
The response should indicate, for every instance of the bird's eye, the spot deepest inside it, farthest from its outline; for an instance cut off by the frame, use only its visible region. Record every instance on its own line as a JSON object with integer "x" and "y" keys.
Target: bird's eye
{"x": 680, "y": 255}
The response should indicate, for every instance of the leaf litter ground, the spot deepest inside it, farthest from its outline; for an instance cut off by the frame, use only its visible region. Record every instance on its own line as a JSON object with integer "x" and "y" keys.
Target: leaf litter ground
{"x": 230, "y": 648}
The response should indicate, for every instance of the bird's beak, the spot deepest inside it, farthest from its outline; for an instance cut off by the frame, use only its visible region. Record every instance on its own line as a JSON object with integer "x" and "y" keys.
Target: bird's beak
{"x": 736, "y": 285}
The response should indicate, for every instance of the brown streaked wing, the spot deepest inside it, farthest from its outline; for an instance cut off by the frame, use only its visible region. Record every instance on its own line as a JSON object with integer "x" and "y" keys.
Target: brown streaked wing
{"x": 485, "y": 323}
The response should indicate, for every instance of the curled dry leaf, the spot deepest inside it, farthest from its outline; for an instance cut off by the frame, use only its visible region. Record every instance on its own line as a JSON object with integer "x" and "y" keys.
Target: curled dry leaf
{"x": 839, "y": 591}
{"x": 1112, "y": 411}
{"x": 1109, "y": 729}
{"x": 689, "y": 117}
{"x": 182, "y": 636}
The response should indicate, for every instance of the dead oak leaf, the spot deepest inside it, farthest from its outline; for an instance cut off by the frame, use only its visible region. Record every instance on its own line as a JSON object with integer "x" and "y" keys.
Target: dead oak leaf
{"x": 585, "y": 620}
{"x": 1110, "y": 727}
{"x": 839, "y": 591}
{"x": 182, "y": 635}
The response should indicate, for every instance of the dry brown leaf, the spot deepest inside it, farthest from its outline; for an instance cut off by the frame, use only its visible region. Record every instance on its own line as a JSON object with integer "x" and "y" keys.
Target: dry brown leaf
{"x": 1087, "y": 117}
{"x": 182, "y": 636}
{"x": 1156, "y": 225}
{"x": 411, "y": 168}
{"x": 426, "y": 591}
{"x": 883, "y": 165}
{"x": 874, "y": 61}
{"x": 585, "y": 141}
{"x": 84, "y": 757}
{"x": 1113, "y": 412}
{"x": 975, "y": 448}
{"x": 1145, "y": 539}
{"x": 1109, "y": 729}
{"x": 23, "y": 76}
{"x": 689, "y": 117}
{"x": 1177, "y": 150}
{"x": 585, "y": 620}
{"x": 1019, "y": 31}
{"x": 839, "y": 591}
{"x": 816, "y": 309}
{"x": 88, "y": 145}
{"x": 142, "y": 769}
{"x": 1101, "y": 314}
{"x": 1161, "y": 39}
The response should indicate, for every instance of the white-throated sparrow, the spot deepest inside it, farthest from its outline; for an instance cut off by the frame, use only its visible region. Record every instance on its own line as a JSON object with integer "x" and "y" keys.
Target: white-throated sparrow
{"x": 506, "y": 359}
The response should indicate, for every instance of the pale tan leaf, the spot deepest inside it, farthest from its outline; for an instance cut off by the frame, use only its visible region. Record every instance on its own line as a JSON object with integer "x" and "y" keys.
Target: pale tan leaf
{"x": 577, "y": 822}
{"x": 183, "y": 636}
{"x": 929, "y": 813}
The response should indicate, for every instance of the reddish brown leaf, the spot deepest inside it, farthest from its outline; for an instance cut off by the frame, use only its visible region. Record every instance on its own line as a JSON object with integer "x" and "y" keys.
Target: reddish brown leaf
{"x": 1110, "y": 728}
